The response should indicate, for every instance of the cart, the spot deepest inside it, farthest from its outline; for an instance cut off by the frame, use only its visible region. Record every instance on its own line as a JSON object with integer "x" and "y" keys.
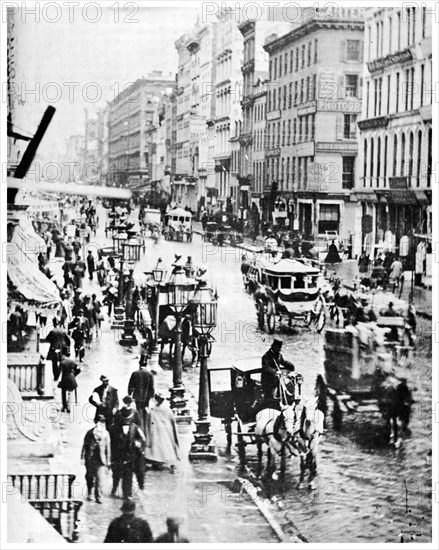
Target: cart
{"x": 178, "y": 225}
{"x": 356, "y": 364}
{"x": 291, "y": 291}
{"x": 210, "y": 232}
{"x": 235, "y": 396}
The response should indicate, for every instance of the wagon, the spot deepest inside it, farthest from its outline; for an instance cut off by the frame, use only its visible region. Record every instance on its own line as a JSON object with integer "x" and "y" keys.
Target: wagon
{"x": 210, "y": 232}
{"x": 235, "y": 396}
{"x": 356, "y": 362}
{"x": 291, "y": 289}
{"x": 178, "y": 224}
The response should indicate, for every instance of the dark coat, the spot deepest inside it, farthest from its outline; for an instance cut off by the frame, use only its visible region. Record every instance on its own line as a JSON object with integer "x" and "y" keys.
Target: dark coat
{"x": 124, "y": 414}
{"x": 91, "y": 264}
{"x": 111, "y": 401}
{"x": 69, "y": 371}
{"x": 270, "y": 370}
{"x": 88, "y": 453}
{"x": 141, "y": 386}
{"x": 168, "y": 537}
{"x": 58, "y": 340}
{"x": 128, "y": 528}
{"x": 332, "y": 256}
{"x": 126, "y": 449}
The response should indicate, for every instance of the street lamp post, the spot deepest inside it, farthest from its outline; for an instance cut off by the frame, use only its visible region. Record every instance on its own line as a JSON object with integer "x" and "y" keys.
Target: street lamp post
{"x": 119, "y": 310}
{"x": 204, "y": 320}
{"x": 158, "y": 276}
{"x": 130, "y": 255}
{"x": 179, "y": 290}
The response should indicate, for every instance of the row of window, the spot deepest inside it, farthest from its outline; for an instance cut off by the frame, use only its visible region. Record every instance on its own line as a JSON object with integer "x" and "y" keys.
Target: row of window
{"x": 290, "y": 132}
{"x": 293, "y": 60}
{"x": 385, "y": 29}
{"x": 403, "y": 86}
{"x": 299, "y": 171}
{"x": 404, "y": 164}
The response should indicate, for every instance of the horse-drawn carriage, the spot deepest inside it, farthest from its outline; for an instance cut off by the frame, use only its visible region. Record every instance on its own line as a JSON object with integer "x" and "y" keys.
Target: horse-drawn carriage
{"x": 359, "y": 377}
{"x": 290, "y": 289}
{"x": 284, "y": 422}
{"x": 178, "y": 225}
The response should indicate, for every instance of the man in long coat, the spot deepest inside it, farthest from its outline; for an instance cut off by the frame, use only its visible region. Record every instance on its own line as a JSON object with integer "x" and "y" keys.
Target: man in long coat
{"x": 272, "y": 360}
{"x": 96, "y": 455}
{"x": 129, "y": 528}
{"x": 162, "y": 446}
{"x": 59, "y": 345}
{"x": 106, "y": 401}
{"x": 141, "y": 388}
{"x": 127, "y": 446}
{"x": 69, "y": 372}
{"x": 91, "y": 266}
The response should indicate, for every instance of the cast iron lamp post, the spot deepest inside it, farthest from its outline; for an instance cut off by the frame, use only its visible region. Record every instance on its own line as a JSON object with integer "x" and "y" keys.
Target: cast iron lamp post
{"x": 158, "y": 276}
{"x": 179, "y": 291}
{"x": 204, "y": 320}
{"x": 130, "y": 255}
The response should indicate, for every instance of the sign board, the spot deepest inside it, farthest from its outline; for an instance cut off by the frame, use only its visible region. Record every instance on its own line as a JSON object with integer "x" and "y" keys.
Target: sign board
{"x": 367, "y": 224}
{"x": 307, "y": 110}
{"x": 339, "y": 105}
{"x": 398, "y": 182}
{"x": 305, "y": 149}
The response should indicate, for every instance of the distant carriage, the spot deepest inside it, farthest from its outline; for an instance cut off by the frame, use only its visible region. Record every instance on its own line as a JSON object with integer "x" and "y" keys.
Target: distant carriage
{"x": 178, "y": 225}
{"x": 289, "y": 289}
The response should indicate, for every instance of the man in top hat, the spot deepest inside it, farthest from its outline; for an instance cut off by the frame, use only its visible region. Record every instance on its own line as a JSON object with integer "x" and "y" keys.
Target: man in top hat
{"x": 272, "y": 360}
{"x": 128, "y": 527}
{"x": 106, "y": 401}
{"x": 127, "y": 446}
{"x": 141, "y": 388}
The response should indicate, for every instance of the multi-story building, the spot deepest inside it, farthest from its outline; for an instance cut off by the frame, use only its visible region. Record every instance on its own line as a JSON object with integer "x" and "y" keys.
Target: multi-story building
{"x": 194, "y": 174}
{"x": 228, "y": 91}
{"x": 313, "y": 101}
{"x": 102, "y": 137}
{"x": 130, "y": 114}
{"x": 394, "y": 190}
{"x": 254, "y": 73}
{"x": 74, "y": 158}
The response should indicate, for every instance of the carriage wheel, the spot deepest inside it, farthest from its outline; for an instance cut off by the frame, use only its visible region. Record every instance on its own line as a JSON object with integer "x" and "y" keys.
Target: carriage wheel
{"x": 337, "y": 415}
{"x": 241, "y": 445}
{"x": 321, "y": 320}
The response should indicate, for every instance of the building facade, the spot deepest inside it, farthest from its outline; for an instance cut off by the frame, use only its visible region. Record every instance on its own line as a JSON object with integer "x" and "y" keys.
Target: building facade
{"x": 130, "y": 114}
{"x": 395, "y": 157}
{"x": 228, "y": 92}
{"x": 313, "y": 101}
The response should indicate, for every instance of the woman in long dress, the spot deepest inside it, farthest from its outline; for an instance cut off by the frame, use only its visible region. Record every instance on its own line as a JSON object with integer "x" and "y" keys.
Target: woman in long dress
{"x": 162, "y": 447}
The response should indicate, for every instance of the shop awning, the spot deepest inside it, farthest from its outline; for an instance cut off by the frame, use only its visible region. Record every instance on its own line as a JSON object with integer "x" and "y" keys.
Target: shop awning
{"x": 365, "y": 197}
{"x": 400, "y": 196}
{"x": 422, "y": 197}
{"x": 23, "y": 272}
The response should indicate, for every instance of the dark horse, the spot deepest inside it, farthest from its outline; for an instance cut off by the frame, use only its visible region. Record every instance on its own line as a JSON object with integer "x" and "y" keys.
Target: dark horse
{"x": 395, "y": 402}
{"x": 167, "y": 334}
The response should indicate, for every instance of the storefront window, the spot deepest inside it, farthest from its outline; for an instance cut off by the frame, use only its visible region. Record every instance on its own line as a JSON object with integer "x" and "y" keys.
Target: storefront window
{"x": 329, "y": 218}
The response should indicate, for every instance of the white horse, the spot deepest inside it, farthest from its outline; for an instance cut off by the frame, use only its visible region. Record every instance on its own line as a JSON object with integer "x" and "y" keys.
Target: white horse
{"x": 295, "y": 427}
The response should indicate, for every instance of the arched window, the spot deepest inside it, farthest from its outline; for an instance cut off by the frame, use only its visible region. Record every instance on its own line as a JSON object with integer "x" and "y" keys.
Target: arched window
{"x": 402, "y": 170}
{"x": 419, "y": 159}
{"x": 365, "y": 163}
{"x": 378, "y": 161}
{"x": 372, "y": 170}
{"x": 395, "y": 154}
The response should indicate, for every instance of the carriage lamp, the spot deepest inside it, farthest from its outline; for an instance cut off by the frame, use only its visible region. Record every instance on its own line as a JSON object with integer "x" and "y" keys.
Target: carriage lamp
{"x": 179, "y": 291}
{"x": 118, "y": 240}
{"x": 204, "y": 320}
{"x": 158, "y": 275}
{"x": 130, "y": 249}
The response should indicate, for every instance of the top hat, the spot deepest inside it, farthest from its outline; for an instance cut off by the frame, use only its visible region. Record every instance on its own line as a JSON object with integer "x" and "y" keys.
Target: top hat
{"x": 103, "y": 377}
{"x": 277, "y": 343}
{"x": 127, "y": 400}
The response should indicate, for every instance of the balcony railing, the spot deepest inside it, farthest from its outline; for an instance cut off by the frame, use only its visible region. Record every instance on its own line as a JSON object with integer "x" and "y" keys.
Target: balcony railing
{"x": 52, "y": 496}
{"x": 27, "y": 371}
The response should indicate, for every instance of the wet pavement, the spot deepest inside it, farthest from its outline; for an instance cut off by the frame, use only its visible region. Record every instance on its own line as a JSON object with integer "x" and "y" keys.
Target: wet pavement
{"x": 367, "y": 491}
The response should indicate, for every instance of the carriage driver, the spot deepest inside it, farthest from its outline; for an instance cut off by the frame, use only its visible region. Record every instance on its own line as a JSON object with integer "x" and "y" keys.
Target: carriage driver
{"x": 272, "y": 361}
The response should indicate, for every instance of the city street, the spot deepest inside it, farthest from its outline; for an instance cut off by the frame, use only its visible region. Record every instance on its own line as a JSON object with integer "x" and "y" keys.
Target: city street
{"x": 377, "y": 492}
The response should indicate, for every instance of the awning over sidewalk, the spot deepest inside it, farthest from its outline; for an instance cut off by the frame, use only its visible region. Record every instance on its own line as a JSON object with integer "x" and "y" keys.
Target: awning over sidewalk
{"x": 23, "y": 271}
